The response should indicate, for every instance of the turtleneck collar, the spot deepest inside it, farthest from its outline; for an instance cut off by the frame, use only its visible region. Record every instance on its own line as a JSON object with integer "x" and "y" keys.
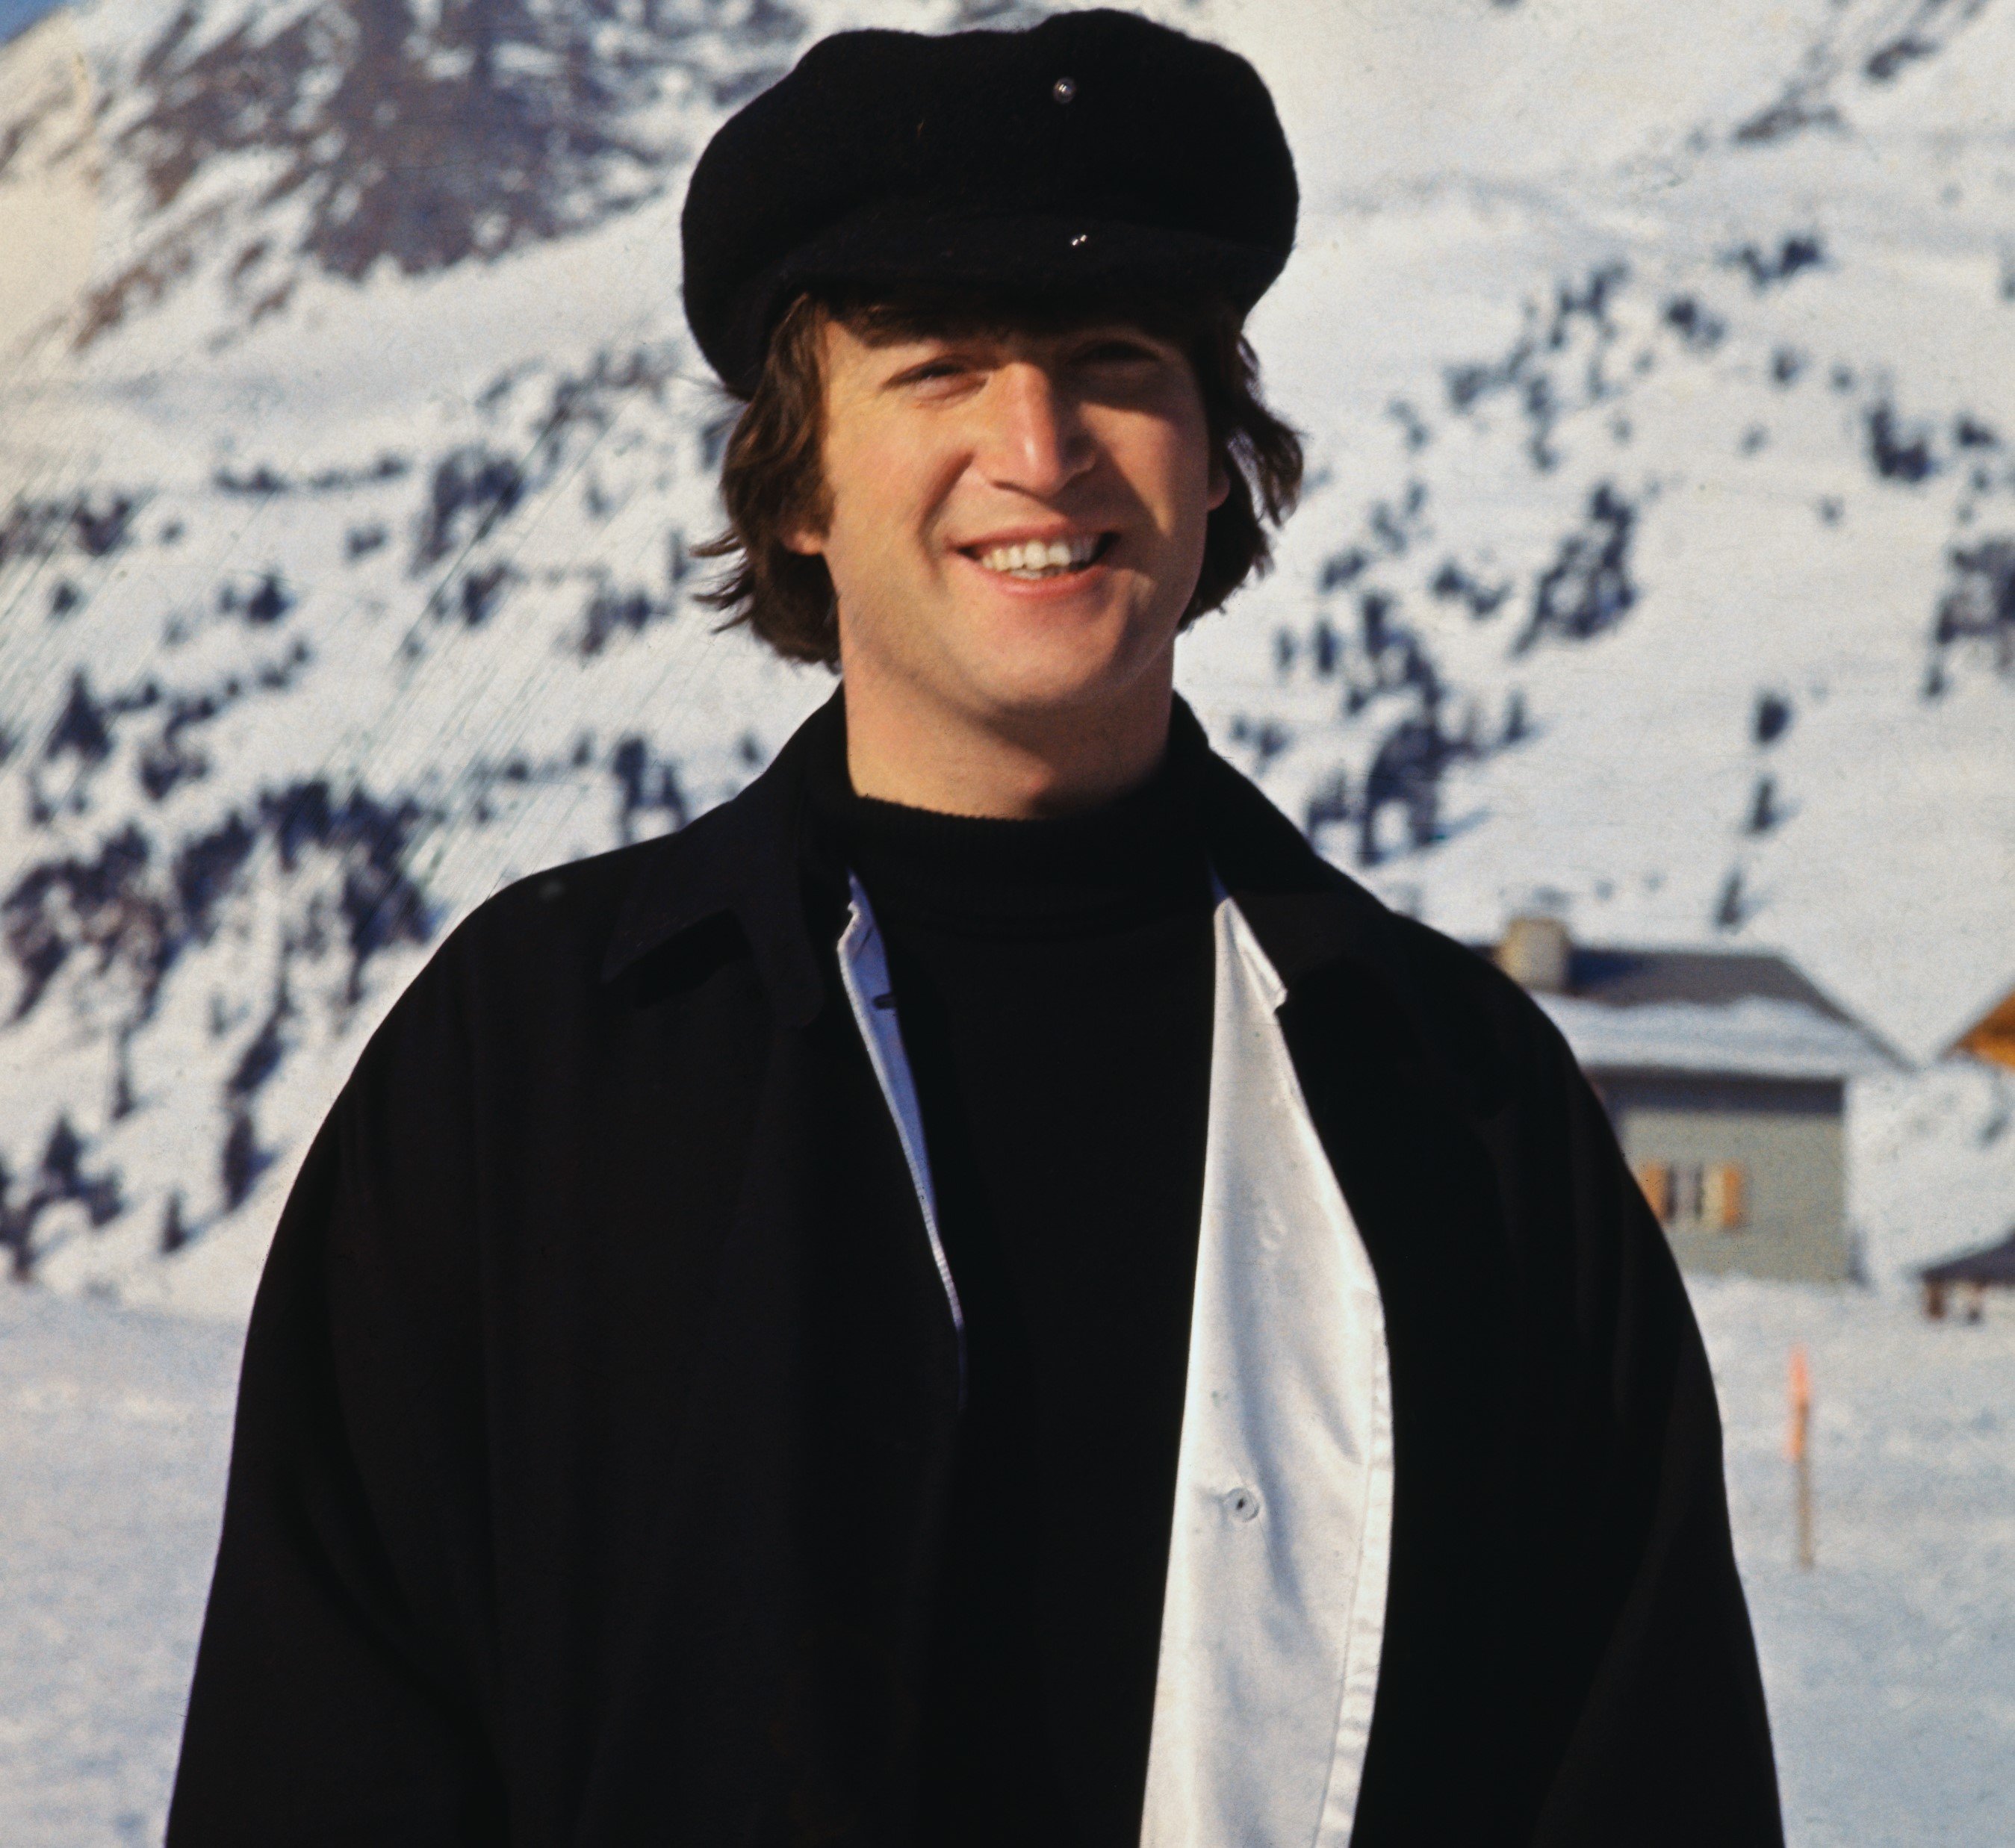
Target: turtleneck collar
{"x": 1140, "y": 854}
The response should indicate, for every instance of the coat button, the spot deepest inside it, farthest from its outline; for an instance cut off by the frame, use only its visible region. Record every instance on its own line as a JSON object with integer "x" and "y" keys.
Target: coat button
{"x": 1064, "y": 89}
{"x": 1243, "y": 1504}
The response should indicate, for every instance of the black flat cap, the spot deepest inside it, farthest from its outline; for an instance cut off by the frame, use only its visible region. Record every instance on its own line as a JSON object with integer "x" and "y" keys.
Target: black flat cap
{"x": 1096, "y": 153}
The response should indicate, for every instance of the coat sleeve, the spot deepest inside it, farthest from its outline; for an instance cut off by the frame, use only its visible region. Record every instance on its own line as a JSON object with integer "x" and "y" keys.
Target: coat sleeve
{"x": 335, "y": 1698}
{"x": 1672, "y": 1741}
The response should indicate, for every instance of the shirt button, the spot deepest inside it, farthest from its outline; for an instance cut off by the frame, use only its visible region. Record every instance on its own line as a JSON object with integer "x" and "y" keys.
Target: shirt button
{"x": 1064, "y": 89}
{"x": 1243, "y": 1504}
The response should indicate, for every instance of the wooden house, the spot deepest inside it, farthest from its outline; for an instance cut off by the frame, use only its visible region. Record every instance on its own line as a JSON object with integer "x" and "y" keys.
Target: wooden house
{"x": 1725, "y": 1075}
{"x": 1992, "y": 1036}
{"x": 1968, "y": 1278}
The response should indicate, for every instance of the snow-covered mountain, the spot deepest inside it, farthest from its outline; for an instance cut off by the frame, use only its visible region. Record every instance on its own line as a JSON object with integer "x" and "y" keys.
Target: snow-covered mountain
{"x": 1658, "y": 564}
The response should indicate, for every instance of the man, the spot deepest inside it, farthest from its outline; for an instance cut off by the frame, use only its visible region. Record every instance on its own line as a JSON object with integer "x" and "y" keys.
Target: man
{"x": 981, "y": 1293}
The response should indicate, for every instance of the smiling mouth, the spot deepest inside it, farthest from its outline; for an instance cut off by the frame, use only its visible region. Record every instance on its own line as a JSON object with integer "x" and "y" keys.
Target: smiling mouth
{"x": 1033, "y": 560}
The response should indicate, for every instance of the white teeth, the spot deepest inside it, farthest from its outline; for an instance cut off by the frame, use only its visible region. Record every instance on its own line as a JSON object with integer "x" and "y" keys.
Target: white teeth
{"x": 1039, "y": 558}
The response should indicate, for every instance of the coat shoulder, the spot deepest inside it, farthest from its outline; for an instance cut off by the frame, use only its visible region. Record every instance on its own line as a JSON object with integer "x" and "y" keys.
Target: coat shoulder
{"x": 561, "y": 919}
{"x": 1466, "y": 1000}
{"x": 521, "y": 977}
{"x": 1327, "y": 933}
{"x": 554, "y": 934}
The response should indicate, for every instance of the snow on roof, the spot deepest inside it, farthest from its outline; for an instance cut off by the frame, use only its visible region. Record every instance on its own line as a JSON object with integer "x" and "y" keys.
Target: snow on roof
{"x": 1698, "y": 1011}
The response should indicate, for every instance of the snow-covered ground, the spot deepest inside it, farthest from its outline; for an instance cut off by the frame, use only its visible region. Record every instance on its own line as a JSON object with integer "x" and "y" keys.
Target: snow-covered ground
{"x": 1890, "y": 1665}
{"x": 115, "y": 1426}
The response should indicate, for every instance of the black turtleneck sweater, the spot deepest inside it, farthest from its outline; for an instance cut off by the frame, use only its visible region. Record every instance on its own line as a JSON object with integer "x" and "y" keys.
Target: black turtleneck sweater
{"x": 1052, "y": 981}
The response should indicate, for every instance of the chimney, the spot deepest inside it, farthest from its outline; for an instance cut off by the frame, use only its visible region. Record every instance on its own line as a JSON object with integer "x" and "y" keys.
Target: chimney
{"x": 1534, "y": 953}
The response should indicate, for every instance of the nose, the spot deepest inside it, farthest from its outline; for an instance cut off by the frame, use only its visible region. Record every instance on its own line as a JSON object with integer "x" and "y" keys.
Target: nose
{"x": 1034, "y": 439}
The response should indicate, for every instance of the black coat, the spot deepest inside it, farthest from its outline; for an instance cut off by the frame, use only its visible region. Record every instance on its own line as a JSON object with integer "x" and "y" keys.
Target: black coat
{"x": 599, "y": 1394}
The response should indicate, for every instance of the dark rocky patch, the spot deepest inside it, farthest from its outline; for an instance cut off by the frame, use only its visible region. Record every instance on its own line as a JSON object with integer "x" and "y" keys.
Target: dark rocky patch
{"x": 60, "y": 1176}
{"x": 473, "y": 488}
{"x": 1771, "y": 719}
{"x": 262, "y": 482}
{"x": 1802, "y": 250}
{"x": 1732, "y": 906}
{"x": 1699, "y": 329}
{"x": 241, "y": 1160}
{"x": 1531, "y": 371}
{"x": 1791, "y": 114}
{"x": 122, "y": 905}
{"x": 1977, "y": 612}
{"x": 269, "y": 600}
{"x": 1895, "y": 453}
{"x": 1342, "y": 569}
{"x": 1764, "y": 814}
{"x": 101, "y": 903}
{"x": 388, "y": 466}
{"x": 1587, "y": 589}
{"x": 1406, "y": 773}
{"x": 425, "y": 136}
{"x": 482, "y": 593}
{"x": 174, "y": 1227}
{"x": 648, "y": 786}
{"x": 381, "y": 904}
{"x": 82, "y": 729}
{"x": 85, "y": 523}
{"x": 1452, "y": 583}
{"x": 1262, "y": 739}
{"x": 1884, "y": 63}
{"x": 1412, "y": 428}
{"x": 612, "y": 611}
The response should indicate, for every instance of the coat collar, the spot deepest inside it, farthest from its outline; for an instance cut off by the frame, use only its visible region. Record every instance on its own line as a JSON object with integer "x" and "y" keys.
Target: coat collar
{"x": 745, "y": 860}
{"x": 748, "y": 859}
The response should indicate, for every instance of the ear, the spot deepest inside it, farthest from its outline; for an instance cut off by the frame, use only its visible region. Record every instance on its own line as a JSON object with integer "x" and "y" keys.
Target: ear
{"x": 806, "y": 541}
{"x": 1220, "y": 484}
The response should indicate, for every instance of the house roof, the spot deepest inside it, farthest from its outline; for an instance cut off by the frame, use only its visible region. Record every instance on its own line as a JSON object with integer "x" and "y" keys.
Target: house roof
{"x": 1697, "y": 977}
{"x": 1706, "y": 1012}
{"x": 1991, "y": 1264}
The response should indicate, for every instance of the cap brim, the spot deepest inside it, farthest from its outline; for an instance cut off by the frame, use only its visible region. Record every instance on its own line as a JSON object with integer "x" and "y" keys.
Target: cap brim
{"x": 1025, "y": 256}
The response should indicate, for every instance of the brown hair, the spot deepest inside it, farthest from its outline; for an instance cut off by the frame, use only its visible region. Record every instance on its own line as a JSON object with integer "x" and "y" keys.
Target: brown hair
{"x": 771, "y": 480}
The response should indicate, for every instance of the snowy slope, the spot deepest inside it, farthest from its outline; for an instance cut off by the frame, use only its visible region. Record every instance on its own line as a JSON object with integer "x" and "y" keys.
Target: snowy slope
{"x": 1658, "y": 565}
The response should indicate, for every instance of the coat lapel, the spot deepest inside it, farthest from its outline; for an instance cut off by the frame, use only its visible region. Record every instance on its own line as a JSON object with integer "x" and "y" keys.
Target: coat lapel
{"x": 1274, "y": 1609}
{"x": 863, "y": 971}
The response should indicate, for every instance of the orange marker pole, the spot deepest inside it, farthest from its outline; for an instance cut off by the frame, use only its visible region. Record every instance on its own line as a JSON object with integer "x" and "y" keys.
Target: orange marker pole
{"x": 1798, "y": 1448}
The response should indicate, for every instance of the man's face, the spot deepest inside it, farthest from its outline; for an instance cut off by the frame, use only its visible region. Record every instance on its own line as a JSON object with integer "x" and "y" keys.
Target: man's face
{"x": 1017, "y": 520}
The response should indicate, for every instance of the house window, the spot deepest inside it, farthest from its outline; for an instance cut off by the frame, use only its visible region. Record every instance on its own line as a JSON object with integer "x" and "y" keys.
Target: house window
{"x": 1696, "y": 1195}
{"x": 1724, "y": 1196}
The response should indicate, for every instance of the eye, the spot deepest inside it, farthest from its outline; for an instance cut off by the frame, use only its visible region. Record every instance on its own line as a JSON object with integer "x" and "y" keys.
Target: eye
{"x": 1118, "y": 350}
{"x": 935, "y": 370}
